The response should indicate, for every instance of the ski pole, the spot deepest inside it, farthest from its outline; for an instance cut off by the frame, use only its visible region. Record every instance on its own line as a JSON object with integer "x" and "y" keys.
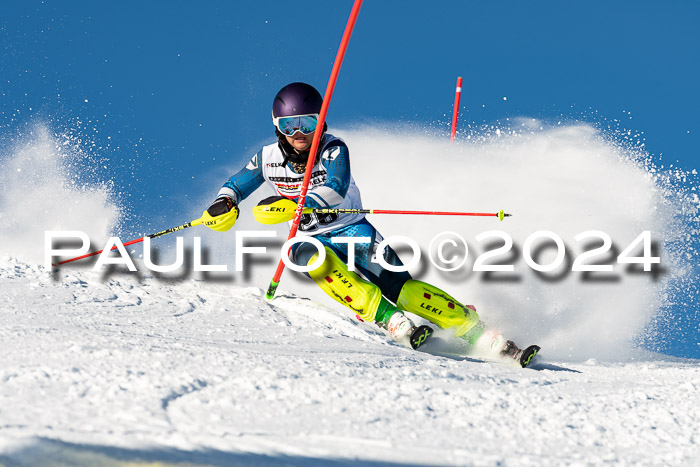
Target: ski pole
{"x": 317, "y": 139}
{"x": 500, "y": 214}
{"x": 138, "y": 240}
{"x": 275, "y": 210}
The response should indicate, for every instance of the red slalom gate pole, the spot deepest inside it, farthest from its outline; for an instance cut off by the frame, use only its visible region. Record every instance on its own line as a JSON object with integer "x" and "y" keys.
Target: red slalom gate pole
{"x": 317, "y": 139}
{"x": 455, "y": 110}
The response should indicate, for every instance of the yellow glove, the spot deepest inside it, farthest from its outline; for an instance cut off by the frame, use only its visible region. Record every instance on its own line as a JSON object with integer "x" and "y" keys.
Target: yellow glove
{"x": 274, "y": 210}
{"x": 221, "y": 215}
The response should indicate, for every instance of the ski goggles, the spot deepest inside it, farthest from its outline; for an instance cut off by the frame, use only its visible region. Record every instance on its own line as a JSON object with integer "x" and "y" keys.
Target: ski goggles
{"x": 306, "y": 124}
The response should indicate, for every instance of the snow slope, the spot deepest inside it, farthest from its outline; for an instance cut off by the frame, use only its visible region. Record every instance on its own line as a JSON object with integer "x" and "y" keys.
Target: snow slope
{"x": 115, "y": 368}
{"x": 108, "y": 370}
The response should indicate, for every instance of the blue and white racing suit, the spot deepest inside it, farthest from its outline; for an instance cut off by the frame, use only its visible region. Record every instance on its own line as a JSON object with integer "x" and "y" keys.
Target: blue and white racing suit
{"x": 331, "y": 186}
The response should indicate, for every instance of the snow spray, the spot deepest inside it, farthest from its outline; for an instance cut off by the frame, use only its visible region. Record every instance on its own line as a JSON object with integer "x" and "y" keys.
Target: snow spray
{"x": 48, "y": 182}
{"x": 566, "y": 180}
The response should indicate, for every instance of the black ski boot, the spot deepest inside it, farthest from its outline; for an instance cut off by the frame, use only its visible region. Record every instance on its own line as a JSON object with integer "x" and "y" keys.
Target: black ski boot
{"x": 524, "y": 357}
{"x": 420, "y": 335}
{"x": 527, "y": 355}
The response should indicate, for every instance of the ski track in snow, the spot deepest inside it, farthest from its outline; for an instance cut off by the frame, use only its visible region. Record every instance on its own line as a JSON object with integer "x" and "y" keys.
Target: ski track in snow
{"x": 104, "y": 371}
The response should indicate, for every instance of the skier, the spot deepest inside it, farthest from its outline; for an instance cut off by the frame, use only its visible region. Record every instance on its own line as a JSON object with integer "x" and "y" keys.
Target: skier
{"x": 377, "y": 295}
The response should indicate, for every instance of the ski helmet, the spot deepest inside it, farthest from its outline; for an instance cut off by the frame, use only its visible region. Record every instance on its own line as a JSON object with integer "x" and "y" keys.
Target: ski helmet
{"x": 297, "y": 99}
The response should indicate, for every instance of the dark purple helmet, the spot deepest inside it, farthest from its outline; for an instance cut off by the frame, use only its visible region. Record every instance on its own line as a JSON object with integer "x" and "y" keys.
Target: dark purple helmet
{"x": 297, "y": 99}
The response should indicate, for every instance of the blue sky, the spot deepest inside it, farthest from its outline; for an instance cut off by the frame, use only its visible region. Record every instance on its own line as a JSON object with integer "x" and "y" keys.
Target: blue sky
{"x": 168, "y": 90}
{"x": 184, "y": 83}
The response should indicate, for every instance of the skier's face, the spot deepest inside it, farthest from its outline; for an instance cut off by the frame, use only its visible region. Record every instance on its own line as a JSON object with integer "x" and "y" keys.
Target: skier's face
{"x": 299, "y": 141}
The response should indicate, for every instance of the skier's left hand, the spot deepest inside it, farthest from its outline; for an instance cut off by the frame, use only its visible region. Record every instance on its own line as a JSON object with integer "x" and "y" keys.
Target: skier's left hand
{"x": 275, "y": 210}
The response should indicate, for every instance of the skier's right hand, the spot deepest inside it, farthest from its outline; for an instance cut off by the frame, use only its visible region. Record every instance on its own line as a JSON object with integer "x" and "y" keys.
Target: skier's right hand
{"x": 221, "y": 215}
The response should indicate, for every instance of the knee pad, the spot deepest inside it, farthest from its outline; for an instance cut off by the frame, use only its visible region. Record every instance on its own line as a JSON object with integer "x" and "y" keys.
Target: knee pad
{"x": 346, "y": 287}
{"x": 431, "y": 303}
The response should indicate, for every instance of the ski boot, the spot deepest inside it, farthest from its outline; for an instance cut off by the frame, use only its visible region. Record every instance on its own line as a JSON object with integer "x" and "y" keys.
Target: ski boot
{"x": 420, "y": 335}
{"x": 496, "y": 346}
{"x": 400, "y": 327}
{"x": 522, "y": 356}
